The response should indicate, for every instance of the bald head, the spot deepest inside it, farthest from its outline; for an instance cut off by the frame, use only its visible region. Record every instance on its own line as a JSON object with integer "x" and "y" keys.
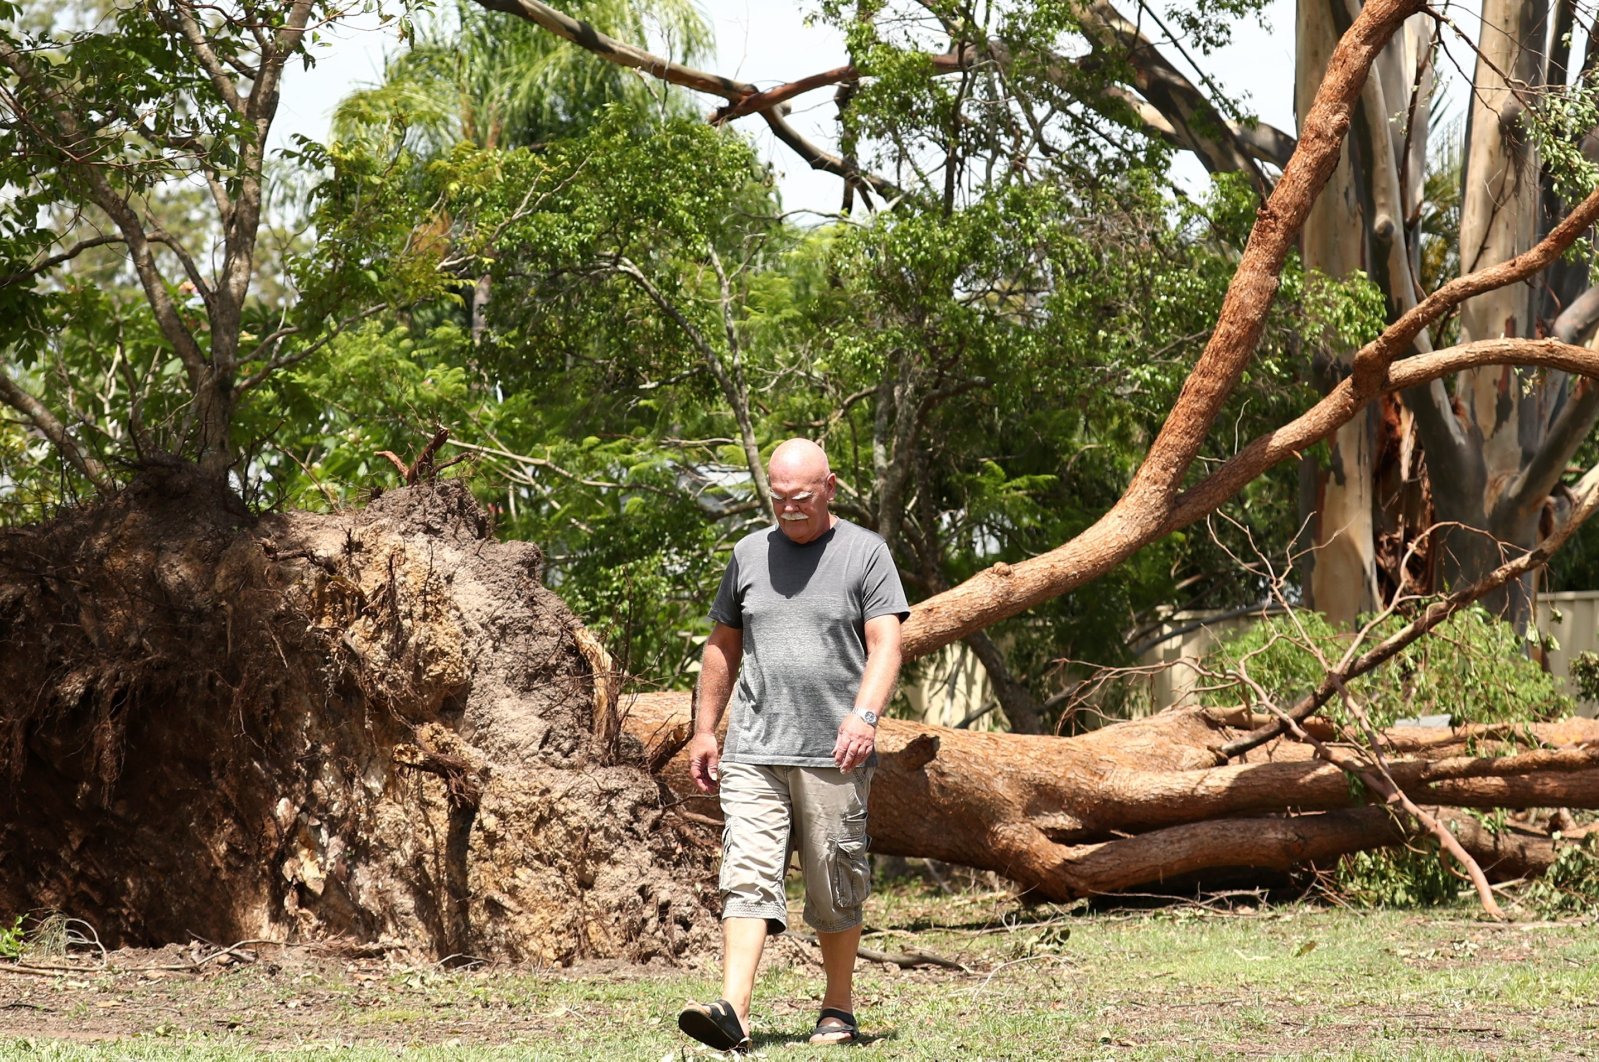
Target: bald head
{"x": 799, "y": 457}
{"x": 802, "y": 489}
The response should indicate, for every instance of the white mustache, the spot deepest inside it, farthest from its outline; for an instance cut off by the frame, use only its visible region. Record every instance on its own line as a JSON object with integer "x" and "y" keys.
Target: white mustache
{"x": 793, "y": 516}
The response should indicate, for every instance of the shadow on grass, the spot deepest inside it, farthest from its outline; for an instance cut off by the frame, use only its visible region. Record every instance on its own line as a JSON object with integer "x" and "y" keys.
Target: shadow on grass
{"x": 763, "y": 1041}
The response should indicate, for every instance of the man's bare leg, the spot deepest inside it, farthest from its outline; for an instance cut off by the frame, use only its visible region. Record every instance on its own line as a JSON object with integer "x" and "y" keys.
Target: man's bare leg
{"x": 743, "y": 940}
{"x": 838, "y": 963}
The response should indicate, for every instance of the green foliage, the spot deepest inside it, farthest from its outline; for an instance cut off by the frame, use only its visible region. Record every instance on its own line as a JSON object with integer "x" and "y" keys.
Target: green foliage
{"x": 1571, "y": 884}
{"x": 1015, "y": 356}
{"x": 1584, "y": 670}
{"x": 1474, "y": 668}
{"x": 1202, "y": 26}
{"x": 478, "y": 77}
{"x": 120, "y": 134}
{"x": 1037, "y": 116}
{"x": 1557, "y": 125}
{"x": 1416, "y": 875}
{"x": 555, "y": 386}
{"x": 13, "y": 940}
{"x": 316, "y": 429}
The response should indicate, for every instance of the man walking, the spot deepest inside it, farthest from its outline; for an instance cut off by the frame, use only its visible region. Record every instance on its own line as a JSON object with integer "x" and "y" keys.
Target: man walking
{"x": 806, "y": 646}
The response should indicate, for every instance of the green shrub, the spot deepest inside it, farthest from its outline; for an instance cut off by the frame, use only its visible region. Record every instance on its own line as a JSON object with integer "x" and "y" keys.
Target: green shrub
{"x": 1584, "y": 669}
{"x": 1571, "y": 884}
{"x": 1397, "y": 877}
{"x": 1473, "y": 668}
{"x": 12, "y": 940}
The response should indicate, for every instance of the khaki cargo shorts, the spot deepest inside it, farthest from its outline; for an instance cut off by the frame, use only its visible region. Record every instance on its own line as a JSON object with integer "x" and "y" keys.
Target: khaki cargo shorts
{"x": 820, "y": 812}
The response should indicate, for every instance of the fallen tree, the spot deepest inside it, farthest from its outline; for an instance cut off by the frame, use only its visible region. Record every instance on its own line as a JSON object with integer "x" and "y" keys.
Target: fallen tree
{"x": 379, "y": 725}
{"x": 1192, "y": 792}
{"x": 1147, "y": 801}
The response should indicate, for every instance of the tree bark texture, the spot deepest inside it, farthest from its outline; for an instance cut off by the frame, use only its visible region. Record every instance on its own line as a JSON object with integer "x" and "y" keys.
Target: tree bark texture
{"x": 1356, "y": 224}
{"x": 1146, "y": 801}
{"x": 1500, "y": 207}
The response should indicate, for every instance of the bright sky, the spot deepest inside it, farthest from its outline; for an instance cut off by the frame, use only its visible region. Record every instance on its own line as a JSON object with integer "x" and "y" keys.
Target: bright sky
{"x": 768, "y": 43}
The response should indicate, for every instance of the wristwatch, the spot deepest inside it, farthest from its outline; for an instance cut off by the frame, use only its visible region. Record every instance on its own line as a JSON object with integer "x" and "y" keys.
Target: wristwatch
{"x": 868, "y": 715}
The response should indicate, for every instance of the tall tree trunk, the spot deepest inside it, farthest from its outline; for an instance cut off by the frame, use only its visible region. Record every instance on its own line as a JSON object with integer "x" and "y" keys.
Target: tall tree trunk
{"x": 1363, "y": 222}
{"x": 1343, "y": 559}
{"x": 1500, "y": 204}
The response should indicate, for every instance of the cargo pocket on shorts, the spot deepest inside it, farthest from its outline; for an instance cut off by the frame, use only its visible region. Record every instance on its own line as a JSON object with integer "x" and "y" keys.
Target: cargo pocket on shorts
{"x": 851, "y": 872}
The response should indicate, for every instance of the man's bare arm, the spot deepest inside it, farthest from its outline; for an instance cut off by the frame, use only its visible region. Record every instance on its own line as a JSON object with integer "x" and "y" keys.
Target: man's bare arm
{"x": 718, "y": 667}
{"x": 883, "y": 657}
{"x": 857, "y": 737}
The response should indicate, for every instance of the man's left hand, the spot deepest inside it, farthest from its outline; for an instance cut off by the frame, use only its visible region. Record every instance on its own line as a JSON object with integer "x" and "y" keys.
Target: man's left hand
{"x": 856, "y": 738}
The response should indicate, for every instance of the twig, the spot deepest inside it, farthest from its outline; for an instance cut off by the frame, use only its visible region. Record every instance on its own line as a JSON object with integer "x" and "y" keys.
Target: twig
{"x": 1016, "y": 962}
{"x": 696, "y": 817}
{"x": 905, "y": 960}
{"x": 54, "y": 969}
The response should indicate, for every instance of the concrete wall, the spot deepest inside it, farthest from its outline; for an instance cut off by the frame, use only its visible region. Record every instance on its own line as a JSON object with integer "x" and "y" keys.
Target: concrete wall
{"x": 1572, "y": 617}
{"x": 948, "y": 686}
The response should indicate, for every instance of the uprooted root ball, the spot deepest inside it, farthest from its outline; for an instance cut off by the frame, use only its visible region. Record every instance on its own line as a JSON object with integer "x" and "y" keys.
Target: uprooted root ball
{"x": 374, "y": 724}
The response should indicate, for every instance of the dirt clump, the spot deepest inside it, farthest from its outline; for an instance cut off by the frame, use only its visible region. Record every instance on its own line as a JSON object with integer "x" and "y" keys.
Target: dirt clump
{"x": 374, "y": 725}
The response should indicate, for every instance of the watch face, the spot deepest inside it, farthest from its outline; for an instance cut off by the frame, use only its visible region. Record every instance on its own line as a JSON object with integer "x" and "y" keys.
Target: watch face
{"x": 868, "y": 715}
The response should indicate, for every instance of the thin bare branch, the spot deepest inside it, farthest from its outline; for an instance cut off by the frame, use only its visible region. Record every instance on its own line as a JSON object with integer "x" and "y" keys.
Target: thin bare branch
{"x": 1587, "y": 494}
{"x": 51, "y": 428}
{"x": 57, "y": 259}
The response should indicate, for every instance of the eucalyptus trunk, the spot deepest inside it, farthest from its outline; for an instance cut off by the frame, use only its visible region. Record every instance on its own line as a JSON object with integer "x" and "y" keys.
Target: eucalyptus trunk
{"x": 1360, "y": 505}
{"x": 1504, "y": 412}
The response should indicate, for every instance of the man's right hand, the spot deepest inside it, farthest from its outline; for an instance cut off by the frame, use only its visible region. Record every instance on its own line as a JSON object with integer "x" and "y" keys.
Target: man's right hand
{"x": 704, "y": 762}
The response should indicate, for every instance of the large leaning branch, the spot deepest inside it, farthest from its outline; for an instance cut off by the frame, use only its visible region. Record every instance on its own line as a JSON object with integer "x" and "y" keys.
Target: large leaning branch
{"x": 1193, "y": 118}
{"x": 1144, "y": 511}
{"x": 1148, "y": 511}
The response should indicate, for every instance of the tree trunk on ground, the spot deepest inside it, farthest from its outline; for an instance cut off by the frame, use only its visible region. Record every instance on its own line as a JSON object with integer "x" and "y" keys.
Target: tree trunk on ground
{"x": 1144, "y": 801}
{"x": 375, "y": 726}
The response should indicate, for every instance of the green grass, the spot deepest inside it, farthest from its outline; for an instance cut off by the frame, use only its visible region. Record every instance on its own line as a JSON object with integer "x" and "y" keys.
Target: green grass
{"x": 1297, "y": 982}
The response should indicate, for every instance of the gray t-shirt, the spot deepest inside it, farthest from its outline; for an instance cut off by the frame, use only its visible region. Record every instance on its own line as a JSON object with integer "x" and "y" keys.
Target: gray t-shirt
{"x": 803, "y": 610}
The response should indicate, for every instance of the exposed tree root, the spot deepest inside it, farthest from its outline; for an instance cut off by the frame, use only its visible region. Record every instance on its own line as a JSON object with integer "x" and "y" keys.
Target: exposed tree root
{"x": 371, "y": 726}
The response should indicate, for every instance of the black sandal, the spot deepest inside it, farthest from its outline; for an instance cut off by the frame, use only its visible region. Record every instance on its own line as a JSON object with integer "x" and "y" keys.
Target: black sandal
{"x": 846, "y": 1033}
{"x": 714, "y": 1026}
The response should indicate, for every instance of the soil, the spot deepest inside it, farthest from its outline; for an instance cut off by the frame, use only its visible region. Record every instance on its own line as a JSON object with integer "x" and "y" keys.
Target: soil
{"x": 373, "y": 725}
